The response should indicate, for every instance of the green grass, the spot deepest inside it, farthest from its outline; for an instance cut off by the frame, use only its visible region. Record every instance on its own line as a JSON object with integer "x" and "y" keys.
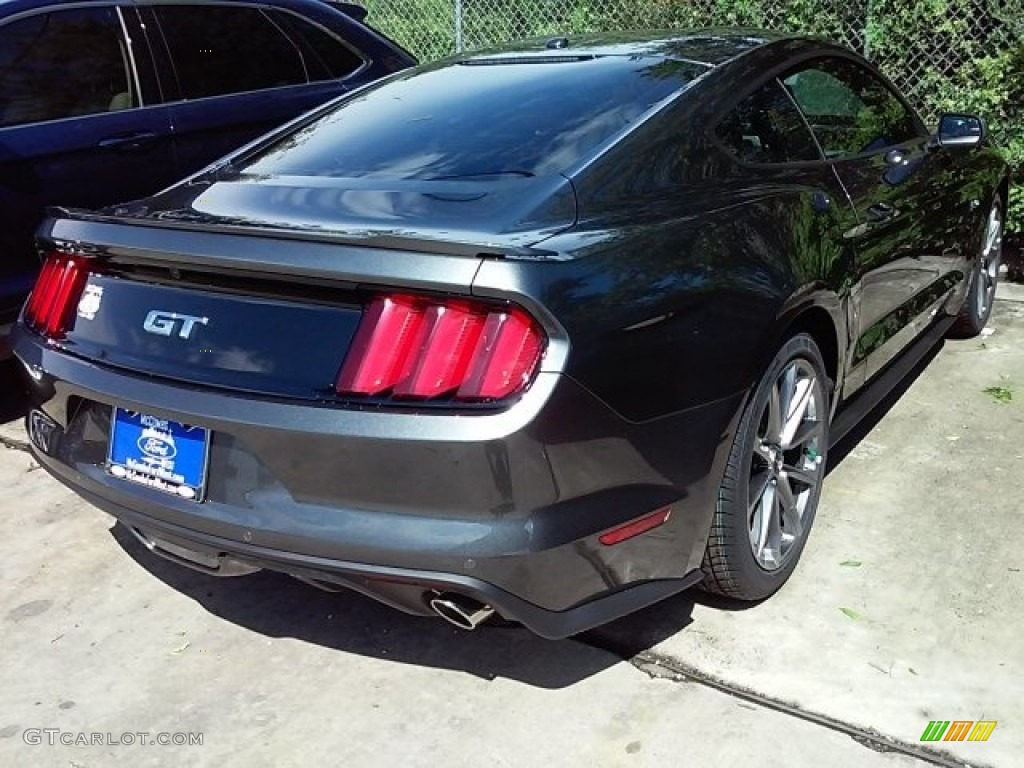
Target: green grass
{"x": 1000, "y": 394}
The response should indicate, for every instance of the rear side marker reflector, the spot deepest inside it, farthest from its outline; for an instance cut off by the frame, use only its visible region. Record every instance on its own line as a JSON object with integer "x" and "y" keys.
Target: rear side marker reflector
{"x": 635, "y": 528}
{"x": 418, "y": 348}
{"x": 57, "y": 291}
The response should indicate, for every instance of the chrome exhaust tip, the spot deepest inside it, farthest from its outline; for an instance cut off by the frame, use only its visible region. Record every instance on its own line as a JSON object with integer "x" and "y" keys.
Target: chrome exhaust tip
{"x": 463, "y": 612}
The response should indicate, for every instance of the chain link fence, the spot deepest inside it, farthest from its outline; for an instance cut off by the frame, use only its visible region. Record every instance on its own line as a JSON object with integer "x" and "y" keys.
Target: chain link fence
{"x": 945, "y": 55}
{"x": 915, "y": 41}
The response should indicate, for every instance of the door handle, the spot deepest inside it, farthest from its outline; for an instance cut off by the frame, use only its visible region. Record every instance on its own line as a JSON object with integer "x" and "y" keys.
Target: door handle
{"x": 880, "y": 212}
{"x": 130, "y": 142}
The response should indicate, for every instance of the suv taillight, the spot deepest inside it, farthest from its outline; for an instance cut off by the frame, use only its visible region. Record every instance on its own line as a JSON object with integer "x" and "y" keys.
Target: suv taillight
{"x": 419, "y": 348}
{"x": 56, "y": 293}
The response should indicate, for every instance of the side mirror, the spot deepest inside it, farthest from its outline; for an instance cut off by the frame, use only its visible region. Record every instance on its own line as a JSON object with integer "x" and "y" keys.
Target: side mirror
{"x": 960, "y": 131}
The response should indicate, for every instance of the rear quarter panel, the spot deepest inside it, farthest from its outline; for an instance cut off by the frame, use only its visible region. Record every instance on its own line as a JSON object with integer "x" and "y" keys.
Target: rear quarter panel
{"x": 687, "y": 268}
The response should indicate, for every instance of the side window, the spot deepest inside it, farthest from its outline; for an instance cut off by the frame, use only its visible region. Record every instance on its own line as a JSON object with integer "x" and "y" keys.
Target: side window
{"x": 851, "y": 111}
{"x": 220, "y": 49}
{"x": 327, "y": 57}
{"x": 67, "y": 63}
{"x": 767, "y": 128}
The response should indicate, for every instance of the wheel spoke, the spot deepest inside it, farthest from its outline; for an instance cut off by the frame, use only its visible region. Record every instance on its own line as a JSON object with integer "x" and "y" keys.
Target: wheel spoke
{"x": 762, "y": 452}
{"x": 790, "y": 512}
{"x": 808, "y": 478}
{"x": 805, "y": 432}
{"x": 759, "y": 483}
{"x": 773, "y": 539}
{"x": 787, "y": 391}
{"x": 990, "y": 257}
{"x": 994, "y": 234}
{"x": 797, "y": 413}
{"x": 762, "y": 521}
{"x": 774, "y": 428}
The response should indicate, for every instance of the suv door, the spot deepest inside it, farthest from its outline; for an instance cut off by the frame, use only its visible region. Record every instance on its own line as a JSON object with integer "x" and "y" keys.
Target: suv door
{"x": 879, "y": 149}
{"x": 74, "y": 127}
{"x": 240, "y": 71}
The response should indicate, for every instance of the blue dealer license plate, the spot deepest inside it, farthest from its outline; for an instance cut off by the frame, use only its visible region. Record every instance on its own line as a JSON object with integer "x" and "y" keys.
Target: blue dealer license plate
{"x": 158, "y": 453}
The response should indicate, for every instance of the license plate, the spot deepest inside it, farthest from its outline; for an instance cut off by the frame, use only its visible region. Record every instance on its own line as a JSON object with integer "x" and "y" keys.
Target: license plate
{"x": 158, "y": 453}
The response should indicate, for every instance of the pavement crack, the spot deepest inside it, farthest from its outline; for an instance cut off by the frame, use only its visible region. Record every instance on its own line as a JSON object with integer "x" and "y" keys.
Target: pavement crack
{"x": 660, "y": 667}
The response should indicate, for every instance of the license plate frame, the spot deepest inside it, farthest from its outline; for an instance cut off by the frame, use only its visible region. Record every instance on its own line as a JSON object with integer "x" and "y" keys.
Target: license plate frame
{"x": 163, "y": 454}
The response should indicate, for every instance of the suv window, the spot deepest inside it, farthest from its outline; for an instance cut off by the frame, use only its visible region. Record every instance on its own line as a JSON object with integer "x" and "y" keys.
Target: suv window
{"x": 766, "y": 127}
{"x": 219, "y": 50}
{"x": 63, "y": 64}
{"x": 326, "y": 57}
{"x": 851, "y": 110}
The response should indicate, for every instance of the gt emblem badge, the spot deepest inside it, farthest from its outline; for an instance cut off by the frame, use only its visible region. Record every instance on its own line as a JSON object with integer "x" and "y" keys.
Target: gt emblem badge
{"x": 163, "y": 323}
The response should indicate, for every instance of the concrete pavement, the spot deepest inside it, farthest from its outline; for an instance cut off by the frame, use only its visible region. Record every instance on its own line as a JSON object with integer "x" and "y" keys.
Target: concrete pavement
{"x": 905, "y": 609}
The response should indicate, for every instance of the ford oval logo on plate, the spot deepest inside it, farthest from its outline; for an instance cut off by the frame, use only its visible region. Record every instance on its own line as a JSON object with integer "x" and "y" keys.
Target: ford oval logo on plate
{"x": 157, "y": 446}
{"x": 158, "y": 453}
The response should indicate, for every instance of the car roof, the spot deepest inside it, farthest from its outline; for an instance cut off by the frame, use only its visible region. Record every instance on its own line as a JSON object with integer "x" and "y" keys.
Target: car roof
{"x": 710, "y": 46}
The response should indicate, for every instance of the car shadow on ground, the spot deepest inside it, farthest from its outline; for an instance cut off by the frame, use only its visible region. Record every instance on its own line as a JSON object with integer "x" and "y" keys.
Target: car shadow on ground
{"x": 276, "y": 605}
{"x": 13, "y": 393}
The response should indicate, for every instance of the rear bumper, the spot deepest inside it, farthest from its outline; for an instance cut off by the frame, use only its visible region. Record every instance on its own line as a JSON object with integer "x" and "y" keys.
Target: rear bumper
{"x": 405, "y": 589}
{"x": 506, "y": 509}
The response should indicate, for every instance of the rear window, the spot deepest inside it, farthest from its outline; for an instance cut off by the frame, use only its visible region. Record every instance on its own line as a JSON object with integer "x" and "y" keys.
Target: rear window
{"x": 491, "y": 116}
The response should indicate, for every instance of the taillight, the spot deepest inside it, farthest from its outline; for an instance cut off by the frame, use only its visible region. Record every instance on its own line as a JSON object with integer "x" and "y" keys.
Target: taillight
{"x": 418, "y": 348}
{"x": 56, "y": 293}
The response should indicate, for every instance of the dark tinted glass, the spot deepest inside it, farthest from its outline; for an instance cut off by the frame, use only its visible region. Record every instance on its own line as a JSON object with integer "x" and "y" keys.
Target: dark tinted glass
{"x": 63, "y": 64}
{"x": 219, "y": 50}
{"x": 767, "y": 128}
{"x": 462, "y": 120}
{"x": 325, "y": 55}
{"x": 850, "y": 110}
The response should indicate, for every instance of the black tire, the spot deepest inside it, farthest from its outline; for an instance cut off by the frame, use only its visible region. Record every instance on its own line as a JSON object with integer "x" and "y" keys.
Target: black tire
{"x": 980, "y": 297}
{"x": 731, "y": 565}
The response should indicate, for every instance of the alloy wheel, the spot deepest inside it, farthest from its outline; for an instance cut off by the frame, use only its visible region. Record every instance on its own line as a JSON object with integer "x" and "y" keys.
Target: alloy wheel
{"x": 786, "y": 464}
{"x": 990, "y": 259}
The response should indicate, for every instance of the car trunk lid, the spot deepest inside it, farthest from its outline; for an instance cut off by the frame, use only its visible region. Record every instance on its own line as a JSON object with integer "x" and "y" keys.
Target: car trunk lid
{"x": 250, "y": 313}
{"x": 505, "y": 209}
